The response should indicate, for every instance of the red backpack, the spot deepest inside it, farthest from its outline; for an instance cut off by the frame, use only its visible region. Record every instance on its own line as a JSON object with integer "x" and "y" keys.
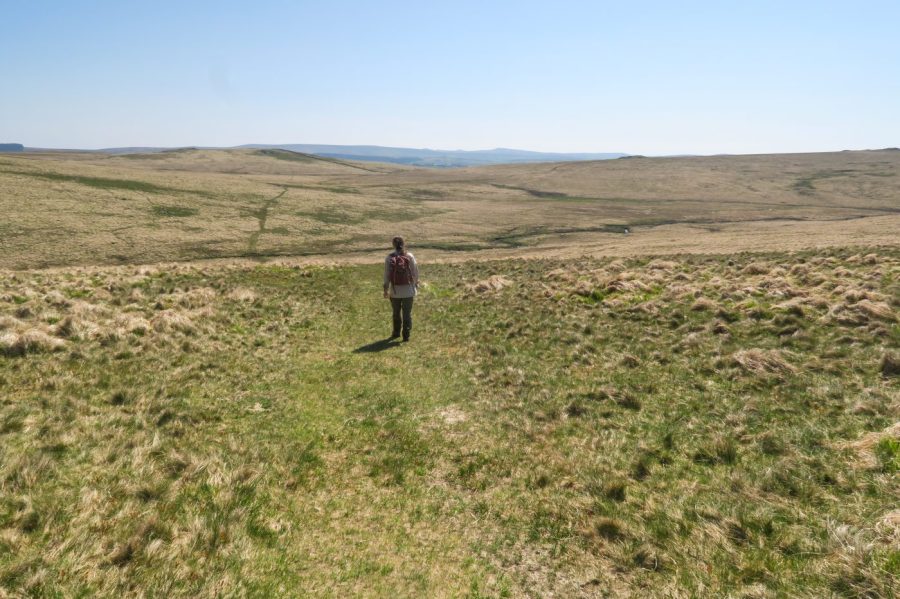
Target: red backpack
{"x": 401, "y": 271}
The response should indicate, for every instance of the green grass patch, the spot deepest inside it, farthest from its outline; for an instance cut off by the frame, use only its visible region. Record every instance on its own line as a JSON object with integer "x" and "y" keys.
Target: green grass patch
{"x": 425, "y": 194}
{"x": 521, "y": 237}
{"x": 174, "y": 211}
{"x": 888, "y": 453}
{"x": 261, "y": 436}
{"x": 537, "y": 193}
{"x": 805, "y": 185}
{"x": 329, "y": 188}
{"x": 451, "y": 246}
{"x": 106, "y": 183}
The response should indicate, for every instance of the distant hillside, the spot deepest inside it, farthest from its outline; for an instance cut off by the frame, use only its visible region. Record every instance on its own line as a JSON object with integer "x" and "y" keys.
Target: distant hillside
{"x": 441, "y": 158}
{"x": 263, "y": 203}
{"x": 406, "y": 156}
{"x": 12, "y": 148}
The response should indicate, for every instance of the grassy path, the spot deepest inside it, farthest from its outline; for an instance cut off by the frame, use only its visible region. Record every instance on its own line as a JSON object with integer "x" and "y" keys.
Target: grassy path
{"x": 365, "y": 427}
{"x": 262, "y": 216}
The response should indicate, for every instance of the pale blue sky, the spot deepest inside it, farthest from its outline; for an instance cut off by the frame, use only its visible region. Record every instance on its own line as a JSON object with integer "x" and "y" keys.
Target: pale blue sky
{"x": 641, "y": 77}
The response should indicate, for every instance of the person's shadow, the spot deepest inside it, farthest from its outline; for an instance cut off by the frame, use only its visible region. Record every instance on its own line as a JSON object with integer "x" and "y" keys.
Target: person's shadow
{"x": 377, "y": 346}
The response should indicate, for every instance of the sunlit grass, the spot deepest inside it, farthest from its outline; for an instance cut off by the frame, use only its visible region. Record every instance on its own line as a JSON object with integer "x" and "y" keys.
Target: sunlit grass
{"x": 681, "y": 426}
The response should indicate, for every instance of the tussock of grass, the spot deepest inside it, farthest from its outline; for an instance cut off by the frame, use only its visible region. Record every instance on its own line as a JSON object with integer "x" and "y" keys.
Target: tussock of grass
{"x": 8, "y": 322}
{"x": 868, "y": 446}
{"x": 875, "y": 310}
{"x": 171, "y": 320}
{"x": 195, "y": 298}
{"x": 608, "y": 529}
{"x": 762, "y": 361}
{"x": 704, "y": 304}
{"x": 30, "y": 341}
{"x": 890, "y": 364}
{"x": 756, "y": 268}
{"x": 242, "y": 294}
{"x": 132, "y": 323}
{"x": 624, "y": 281}
{"x": 659, "y": 264}
{"x": 492, "y": 283}
{"x": 74, "y": 327}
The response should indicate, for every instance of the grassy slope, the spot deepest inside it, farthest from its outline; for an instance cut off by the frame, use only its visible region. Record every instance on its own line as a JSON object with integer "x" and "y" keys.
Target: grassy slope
{"x": 72, "y": 209}
{"x": 579, "y": 431}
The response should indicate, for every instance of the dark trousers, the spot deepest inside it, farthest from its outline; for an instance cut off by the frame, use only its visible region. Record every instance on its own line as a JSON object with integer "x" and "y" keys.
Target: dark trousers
{"x": 404, "y": 303}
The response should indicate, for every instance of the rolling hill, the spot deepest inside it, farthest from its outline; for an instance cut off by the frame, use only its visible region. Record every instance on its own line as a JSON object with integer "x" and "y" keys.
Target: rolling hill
{"x": 89, "y": 208}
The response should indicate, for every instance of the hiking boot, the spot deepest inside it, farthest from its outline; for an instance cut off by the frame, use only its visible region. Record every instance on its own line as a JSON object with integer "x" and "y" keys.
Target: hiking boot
{"x": 394, "y": 335}
{"x": 406, "y": 337}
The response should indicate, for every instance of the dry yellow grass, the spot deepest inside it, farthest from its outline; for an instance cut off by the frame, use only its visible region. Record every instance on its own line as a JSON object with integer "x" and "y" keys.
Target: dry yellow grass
{"x": 764, "y": 361}
{"x": 242, "y": 294}
{"x": 492, "y": 283}
{"x": 875, "y": 310}
{"x": 230, "y": 205}
{"x": 31, "y": 340}
{"x": 865, "y": 445}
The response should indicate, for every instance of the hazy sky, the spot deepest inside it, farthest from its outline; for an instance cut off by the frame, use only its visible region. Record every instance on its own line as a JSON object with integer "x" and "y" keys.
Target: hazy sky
{"x": 641, "y": 77}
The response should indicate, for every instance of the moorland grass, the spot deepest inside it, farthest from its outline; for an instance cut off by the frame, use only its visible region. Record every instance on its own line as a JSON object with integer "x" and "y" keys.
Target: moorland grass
{"x": 86, "y": 209}
{"x": 335, "y": 215}
{"x": 292, "y": 156}
{"x": 580, "y": 431}
{"x": 102, "y": 182}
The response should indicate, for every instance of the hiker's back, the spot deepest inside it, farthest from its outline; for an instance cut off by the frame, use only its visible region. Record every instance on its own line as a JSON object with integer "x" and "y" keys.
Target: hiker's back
{"x": 401, "y": 268}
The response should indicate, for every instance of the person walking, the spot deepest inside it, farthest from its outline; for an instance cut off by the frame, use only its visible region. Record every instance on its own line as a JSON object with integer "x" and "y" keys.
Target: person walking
{"x": 401, "y": 280}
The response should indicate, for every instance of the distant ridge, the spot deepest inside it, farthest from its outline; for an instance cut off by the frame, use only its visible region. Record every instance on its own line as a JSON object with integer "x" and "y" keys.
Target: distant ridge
{"x": 439, "y": 158}
{"x": 409, "y": 156}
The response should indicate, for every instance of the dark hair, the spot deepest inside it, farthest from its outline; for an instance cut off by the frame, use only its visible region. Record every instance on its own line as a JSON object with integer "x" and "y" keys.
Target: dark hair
{"x": 399, "y": 244}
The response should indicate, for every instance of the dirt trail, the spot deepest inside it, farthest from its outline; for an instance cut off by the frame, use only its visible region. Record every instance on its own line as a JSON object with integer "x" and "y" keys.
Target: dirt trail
{"x": 262, "y": 215}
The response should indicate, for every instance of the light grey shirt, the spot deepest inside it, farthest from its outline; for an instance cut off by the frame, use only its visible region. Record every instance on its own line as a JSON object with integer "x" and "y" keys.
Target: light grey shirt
{"x": 400, "y": 291}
